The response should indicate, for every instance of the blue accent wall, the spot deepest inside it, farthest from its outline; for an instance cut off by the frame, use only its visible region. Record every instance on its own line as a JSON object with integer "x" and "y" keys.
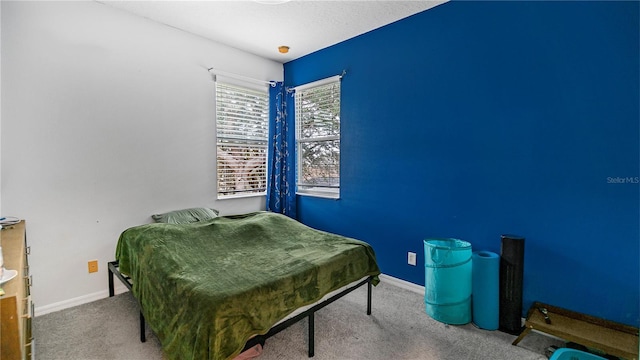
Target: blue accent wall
{"x": 476, "y": 119}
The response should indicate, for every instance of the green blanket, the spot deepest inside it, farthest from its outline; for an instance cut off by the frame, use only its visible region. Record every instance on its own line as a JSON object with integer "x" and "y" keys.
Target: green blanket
{"x": 206, "y": 288}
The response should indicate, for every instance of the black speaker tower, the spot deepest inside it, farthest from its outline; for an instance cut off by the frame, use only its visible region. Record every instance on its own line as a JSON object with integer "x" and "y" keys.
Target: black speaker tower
{"x": 511, "y": 277}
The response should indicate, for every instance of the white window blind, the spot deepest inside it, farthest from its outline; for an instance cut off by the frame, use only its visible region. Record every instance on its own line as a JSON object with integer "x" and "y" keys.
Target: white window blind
{"x": 242, "y": 130}
{"x": 318, "y": 139}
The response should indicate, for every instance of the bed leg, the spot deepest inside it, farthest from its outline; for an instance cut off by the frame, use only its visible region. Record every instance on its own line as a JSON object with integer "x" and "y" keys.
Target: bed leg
{"x": 369, "y": 297}
{"x": 111, "y": 288}
{"x": 143, "y": 338}
{"x": 311, "y": 335}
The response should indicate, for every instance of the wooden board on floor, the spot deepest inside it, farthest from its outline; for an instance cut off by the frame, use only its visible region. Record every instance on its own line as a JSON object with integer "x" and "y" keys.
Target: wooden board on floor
{"x": 607, "y": 336}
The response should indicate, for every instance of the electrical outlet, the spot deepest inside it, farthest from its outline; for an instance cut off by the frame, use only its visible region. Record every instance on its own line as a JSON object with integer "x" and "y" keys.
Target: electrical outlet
{"x": 93, "y": 266}
{"x": 411, "y": 258}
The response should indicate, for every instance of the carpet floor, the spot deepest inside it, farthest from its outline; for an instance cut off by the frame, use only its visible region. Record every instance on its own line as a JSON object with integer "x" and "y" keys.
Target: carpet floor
{"x": 398, "y": 328}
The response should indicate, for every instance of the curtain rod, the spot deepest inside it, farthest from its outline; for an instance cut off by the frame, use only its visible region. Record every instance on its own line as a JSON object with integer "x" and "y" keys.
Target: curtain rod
{"x": 320, "y": 82}
{"x": 215, "y": 72}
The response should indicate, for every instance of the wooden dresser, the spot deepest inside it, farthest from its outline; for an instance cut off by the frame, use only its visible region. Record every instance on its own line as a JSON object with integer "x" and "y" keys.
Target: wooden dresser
{"x": 16, "y": 309}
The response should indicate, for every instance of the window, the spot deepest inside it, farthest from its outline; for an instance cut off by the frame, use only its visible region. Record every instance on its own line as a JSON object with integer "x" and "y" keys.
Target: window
{"x": 318, "y": 138}
{"x": 242, "y": 129}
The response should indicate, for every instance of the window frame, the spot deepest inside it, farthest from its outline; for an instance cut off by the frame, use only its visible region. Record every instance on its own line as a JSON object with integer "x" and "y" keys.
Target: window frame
{"x": 322, "y": 191}
{"x": 248, "y": 141}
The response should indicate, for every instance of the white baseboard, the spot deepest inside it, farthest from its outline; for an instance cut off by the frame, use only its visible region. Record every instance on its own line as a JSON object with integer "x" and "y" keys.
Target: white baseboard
{"x": 120, "y": 288}
{"x": 65, "y": 304}
{"x": 402, "y": 284}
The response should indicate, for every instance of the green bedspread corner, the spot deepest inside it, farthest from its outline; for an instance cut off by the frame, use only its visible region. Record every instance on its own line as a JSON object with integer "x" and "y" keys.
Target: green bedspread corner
{"x": 206, "y": 288}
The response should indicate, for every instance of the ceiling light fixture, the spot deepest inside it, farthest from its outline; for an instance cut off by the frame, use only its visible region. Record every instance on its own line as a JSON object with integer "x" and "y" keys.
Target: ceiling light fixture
{"x": 283, "y": 49}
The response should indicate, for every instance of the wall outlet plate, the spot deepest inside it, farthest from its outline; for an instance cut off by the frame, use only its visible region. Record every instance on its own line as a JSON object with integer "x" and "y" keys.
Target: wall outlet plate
{"x": 93, "y": 266}
{"x": 411, "y": 258}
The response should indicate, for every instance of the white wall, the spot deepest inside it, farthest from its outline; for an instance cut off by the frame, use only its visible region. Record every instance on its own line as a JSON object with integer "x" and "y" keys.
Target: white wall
{"x": 106, "y": 119}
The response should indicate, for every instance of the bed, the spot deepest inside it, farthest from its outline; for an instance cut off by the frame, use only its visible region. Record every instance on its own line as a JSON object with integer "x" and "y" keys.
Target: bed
{"x": 209, "y": 288}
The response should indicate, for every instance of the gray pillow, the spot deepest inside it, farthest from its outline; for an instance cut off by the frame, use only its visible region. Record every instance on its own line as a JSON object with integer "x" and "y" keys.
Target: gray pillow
{"x": 185, "y": 216}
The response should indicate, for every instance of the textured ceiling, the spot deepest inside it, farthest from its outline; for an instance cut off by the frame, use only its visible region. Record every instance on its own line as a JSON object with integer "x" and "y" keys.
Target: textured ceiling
{"x": 260, "y": 28}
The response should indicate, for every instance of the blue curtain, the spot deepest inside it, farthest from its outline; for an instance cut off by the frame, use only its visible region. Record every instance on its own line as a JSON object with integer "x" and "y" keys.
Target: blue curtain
{"x": 281, "y": 193}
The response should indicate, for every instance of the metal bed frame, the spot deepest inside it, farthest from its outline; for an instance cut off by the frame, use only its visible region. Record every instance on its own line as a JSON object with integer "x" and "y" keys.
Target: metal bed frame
{"x": 114, "y": 269}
